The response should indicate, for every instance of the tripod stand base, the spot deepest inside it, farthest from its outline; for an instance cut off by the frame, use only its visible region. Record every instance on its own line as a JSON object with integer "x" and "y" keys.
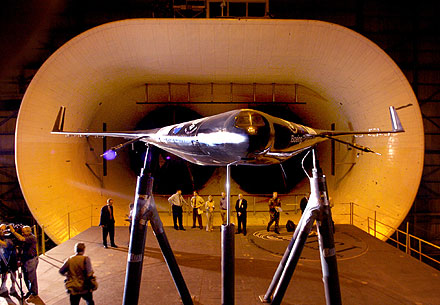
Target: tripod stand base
{"x": 263, "y": 300}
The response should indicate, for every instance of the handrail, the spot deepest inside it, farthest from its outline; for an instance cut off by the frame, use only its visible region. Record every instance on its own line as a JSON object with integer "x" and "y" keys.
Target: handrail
{"x": 372, "y": 229}
{"x": 409, "y": 249}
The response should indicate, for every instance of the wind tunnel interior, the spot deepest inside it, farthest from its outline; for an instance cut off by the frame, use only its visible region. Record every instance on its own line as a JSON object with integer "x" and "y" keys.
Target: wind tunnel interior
{"x": 142, "y": 73}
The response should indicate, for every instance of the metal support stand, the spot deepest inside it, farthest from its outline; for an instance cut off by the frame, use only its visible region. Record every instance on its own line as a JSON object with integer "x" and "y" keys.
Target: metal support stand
{"x": 14, "y": 278}
{"x": 276, "y": 278}
{"x": 228, "y": 249}
{"x": 145, "y": 210}
{"x": 318, "y": 208}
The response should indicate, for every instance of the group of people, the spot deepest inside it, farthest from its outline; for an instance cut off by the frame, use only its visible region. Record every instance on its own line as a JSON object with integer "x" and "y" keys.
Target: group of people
{"x": 18, "y": 245}
{"x": 80, "y": 281}
{"x": 200, "y": 206}
{"x": 78, "y": 267}
{"x": 18, "y": 254}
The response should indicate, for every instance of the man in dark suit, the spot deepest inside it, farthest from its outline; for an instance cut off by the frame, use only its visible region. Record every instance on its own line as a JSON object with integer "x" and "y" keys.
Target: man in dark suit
{"x": 240, "y": 207}
{"x": 107, "y": 223}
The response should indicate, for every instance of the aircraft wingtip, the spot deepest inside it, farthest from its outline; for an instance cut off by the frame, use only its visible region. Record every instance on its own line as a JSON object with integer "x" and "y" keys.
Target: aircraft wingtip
{"x": 59, "y": 121}
{"x": 395, "y": 120}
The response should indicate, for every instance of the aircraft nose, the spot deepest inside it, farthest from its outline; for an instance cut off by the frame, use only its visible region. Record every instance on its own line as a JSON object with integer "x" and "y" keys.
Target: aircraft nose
{"x": 256, "y": 126}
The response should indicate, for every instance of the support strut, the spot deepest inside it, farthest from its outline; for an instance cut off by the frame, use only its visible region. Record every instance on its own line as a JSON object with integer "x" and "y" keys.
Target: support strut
{"x": 228, "y": 249}
{"x": 145, "y": 210}
{"x": 318, "y": 209}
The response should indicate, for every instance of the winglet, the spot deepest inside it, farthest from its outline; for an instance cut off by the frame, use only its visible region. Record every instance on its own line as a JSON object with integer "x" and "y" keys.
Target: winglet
{"x": 395, "y": 121}
{"x": 59, "y": 122}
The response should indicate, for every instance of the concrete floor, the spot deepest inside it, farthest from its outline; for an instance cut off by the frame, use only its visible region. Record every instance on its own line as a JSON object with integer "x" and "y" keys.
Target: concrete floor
{"x": 370, "y": 271}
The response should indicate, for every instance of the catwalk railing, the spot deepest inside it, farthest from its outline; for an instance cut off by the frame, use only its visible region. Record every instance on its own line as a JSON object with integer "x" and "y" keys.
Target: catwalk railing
{"x": 410, "y": 240}
{"x": 362, "y": 217}
{"x": 403, "y": 240}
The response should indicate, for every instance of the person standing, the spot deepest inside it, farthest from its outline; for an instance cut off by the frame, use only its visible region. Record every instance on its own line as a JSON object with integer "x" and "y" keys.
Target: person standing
{"x": 274, "y": 212}
{"x": 77, "y": 269}
{"x": 197, "y": 204}
{"x": 303, "y": 203}
{"x": 130, "y": 219}
{"x": 176, "y": 200}
{"x": 223, "y": 207}
{"x": 8, "y": 262}
{"x": 209, "y": 207}
{"x": 29, "y": 261}
{"x": 107, "y": 223}
{"x": 241, "y": 207}
{"x": 130, "y": 216}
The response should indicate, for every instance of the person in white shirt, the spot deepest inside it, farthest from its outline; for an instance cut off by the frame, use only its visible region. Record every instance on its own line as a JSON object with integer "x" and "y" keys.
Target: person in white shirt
{"x": 176, "y": 200}
{"x": 209, "y": 207}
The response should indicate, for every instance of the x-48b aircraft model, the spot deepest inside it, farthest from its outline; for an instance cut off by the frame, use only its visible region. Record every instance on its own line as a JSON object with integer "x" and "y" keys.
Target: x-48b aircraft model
{"x": 243, "y": 136}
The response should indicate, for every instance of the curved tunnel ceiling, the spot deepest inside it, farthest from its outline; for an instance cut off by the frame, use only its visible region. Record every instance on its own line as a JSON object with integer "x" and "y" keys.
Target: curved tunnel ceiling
{"x": 101, "y": 74}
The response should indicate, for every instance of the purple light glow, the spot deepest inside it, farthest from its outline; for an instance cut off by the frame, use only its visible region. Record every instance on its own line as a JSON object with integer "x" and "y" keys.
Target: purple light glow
{"x": 110, "y": 155}
{"x": 168, "y": 157}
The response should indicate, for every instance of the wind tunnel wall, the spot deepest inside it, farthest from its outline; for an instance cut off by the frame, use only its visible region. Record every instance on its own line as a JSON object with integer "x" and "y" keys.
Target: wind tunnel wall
{"x": 101, "y": 74}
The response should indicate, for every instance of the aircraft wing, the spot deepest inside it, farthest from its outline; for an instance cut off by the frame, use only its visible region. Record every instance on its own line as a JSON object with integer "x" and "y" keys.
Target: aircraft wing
{"x": 58, "y": 128}
{"x": 395, "y": 122}
{"x": 133, "y": 136}
{"x": 333, "y": 135}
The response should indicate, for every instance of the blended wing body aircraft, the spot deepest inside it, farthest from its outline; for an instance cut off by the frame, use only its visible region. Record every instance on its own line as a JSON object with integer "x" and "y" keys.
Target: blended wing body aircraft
{"x": 243, "y": 136}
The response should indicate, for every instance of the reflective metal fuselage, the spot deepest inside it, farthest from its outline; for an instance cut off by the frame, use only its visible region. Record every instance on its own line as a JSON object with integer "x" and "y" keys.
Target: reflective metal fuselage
{"x": 242, "y": 136}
